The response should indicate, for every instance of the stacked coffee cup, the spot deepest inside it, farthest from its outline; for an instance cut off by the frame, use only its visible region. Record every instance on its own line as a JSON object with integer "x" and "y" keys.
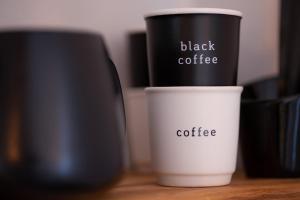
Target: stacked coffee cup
{"x": 193, "y": 101}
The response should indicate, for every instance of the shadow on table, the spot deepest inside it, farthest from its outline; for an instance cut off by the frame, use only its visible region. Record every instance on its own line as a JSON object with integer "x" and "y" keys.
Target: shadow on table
{"x": 11, "y": 191}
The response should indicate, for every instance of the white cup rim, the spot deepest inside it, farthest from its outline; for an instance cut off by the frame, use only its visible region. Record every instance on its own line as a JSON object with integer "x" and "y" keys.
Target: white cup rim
{"x": 183, "y": 11}
{"x": 195, "y": 89}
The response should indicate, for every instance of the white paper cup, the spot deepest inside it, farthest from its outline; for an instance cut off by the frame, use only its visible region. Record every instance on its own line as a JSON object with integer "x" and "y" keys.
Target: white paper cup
{"x": 194, "y": 134}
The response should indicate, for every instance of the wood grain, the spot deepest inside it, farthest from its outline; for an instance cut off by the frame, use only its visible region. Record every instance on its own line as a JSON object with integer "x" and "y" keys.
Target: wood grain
{"x": 143, "y": 187}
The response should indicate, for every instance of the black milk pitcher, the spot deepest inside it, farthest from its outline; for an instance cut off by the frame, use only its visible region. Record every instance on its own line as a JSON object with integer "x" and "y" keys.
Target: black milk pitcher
{"x": 61, "y": 109}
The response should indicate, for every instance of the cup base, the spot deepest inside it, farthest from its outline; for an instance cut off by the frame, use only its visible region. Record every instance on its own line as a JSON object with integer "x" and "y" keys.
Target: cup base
{"x": 194, "y": 180}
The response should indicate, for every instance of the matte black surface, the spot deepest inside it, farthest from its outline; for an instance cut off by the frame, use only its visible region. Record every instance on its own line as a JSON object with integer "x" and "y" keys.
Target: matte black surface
{"x": 289, "y": 46}
{"x": 164, "y": 34}
{"x": 270, "y": 131}
{"x": 138, "y": 59}
{"x": 61, "y": 109}
{"x": 264, "y": 89}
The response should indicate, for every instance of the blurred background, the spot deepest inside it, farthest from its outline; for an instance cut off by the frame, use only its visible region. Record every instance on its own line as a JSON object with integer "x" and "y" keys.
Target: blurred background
{"x": 114, "y": 19}
{"x": 263, "y": 32}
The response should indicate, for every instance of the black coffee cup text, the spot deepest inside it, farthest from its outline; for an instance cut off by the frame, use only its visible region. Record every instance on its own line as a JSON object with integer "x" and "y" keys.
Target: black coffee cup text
{"x": 197, "y": 58}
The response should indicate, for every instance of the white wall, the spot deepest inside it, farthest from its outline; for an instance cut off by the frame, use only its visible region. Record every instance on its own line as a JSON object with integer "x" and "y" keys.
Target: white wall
{"x": 114, "y": 18}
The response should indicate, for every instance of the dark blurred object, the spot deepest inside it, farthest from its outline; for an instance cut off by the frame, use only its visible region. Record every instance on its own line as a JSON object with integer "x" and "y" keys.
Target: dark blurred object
{"x": 289, "y": 46}
{"x": 61, "y": 110}
{"x": 270, "y": 131}
{"x": 138, "y": 59}
{"x": 262, "y": 89}
{"x": 270, "y": 111}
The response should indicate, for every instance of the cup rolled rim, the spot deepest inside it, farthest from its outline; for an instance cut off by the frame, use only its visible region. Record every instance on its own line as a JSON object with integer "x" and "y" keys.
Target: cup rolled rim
{"x": 195, "y": 89}
{"x": 183, "y": 11}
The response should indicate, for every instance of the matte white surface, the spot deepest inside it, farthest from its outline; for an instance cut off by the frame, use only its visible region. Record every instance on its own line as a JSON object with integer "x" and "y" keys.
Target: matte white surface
{"x": 176, "y": 11}
{"x": 186, "y": 107}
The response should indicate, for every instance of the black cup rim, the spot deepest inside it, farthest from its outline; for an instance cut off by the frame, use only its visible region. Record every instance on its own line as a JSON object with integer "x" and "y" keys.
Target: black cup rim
{"x": 136, "y": 32}
{"x": 193, "y": 11}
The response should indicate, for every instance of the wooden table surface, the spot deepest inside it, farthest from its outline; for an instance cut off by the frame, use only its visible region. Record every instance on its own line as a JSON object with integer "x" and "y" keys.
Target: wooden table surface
{"x": 143, "y": 187}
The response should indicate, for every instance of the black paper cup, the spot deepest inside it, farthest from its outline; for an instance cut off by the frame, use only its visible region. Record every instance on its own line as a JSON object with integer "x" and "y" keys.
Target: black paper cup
{"x": 193, "y": 46}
